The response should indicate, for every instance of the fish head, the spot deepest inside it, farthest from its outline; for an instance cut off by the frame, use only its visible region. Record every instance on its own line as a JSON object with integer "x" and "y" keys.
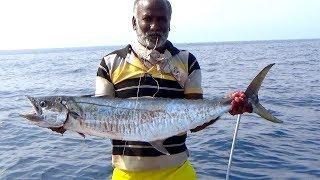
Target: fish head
{"x": 49, "y": 111}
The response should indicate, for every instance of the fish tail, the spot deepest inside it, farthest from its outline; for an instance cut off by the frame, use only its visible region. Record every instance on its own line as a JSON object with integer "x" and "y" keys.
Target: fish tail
{"x": 252, "y": 94}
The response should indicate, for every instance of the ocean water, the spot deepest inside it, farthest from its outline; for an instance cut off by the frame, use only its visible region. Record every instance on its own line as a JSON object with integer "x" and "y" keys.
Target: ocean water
{"x": 263, "y": 151}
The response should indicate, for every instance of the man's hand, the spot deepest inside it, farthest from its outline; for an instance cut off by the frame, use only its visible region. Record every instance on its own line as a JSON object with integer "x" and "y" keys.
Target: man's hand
{"x": 239, "y": 103}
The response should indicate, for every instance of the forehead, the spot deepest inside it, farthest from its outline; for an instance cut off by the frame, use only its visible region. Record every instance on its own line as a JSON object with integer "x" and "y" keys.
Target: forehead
{"x": 152, "y": 8}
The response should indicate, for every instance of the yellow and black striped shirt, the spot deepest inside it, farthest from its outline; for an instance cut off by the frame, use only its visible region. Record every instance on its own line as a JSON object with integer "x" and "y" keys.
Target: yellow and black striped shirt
{"x": 121, "y": 74}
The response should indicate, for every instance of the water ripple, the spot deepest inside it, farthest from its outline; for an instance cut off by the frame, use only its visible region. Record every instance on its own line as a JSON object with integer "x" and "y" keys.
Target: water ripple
{"x": 263, "y": 150}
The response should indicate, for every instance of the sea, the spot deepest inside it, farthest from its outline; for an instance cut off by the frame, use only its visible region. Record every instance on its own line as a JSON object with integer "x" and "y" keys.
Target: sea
{"x": 263, "y": 150}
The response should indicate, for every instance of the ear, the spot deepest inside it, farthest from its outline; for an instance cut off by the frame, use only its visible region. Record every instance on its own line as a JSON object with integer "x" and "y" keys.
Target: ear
{"x": 134, "y": 23}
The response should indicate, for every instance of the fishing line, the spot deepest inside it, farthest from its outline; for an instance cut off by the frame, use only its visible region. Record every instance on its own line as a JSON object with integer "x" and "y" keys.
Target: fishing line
{"x": 124, "y": 148}
{"x": 144, "y": 61}
{"x": 134, "y": 109}
{"x": 233, "y": 145}
{"x": 158, "y": 86}
{"x": 138, "y": 88}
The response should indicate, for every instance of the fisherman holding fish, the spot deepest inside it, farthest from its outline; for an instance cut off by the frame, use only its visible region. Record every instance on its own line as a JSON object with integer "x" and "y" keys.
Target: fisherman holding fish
{"x": 148, "y": 96}
{"x": 153, "y": 67}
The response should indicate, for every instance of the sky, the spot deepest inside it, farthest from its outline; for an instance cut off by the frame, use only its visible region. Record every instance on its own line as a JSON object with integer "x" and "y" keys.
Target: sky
{"x": 32, "y": 24}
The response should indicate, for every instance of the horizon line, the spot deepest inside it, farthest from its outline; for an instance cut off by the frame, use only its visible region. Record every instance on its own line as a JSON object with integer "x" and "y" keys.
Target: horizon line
{"x": 178, "y": 43}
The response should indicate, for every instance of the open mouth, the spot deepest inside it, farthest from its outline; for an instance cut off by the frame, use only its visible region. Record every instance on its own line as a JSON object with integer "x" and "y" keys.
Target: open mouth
{"x": 35, "y": 105}
{"x": 36, "y": 114}
{"x": 32, "y": 117}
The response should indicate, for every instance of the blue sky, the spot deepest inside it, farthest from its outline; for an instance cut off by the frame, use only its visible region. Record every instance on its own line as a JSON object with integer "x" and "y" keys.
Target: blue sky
{"x": 29, "y": 24}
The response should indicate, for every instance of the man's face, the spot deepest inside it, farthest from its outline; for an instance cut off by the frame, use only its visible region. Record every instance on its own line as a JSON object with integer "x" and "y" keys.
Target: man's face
{"x": 152, "y": 23}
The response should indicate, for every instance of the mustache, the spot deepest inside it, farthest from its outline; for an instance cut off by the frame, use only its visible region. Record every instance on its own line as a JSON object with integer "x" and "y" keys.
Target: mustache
{"x": 155, "y": 34}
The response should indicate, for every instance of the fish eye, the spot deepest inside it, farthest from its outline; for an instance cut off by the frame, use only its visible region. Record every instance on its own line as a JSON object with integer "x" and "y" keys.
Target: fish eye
{"x": 42, "y": 104}
{"x": 63, "y": 102}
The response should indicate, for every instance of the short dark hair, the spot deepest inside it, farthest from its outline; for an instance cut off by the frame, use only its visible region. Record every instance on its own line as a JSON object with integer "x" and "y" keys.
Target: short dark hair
{"x": 135, "y": 5}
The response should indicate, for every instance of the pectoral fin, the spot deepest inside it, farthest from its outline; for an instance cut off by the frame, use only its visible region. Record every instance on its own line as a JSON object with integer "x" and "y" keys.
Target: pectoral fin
{"x": 76, "y": 116}
{"x": 81, "y": 134}
{"x": 158, "y": 145}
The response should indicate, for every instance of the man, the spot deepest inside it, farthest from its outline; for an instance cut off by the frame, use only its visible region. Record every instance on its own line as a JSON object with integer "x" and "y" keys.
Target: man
{"x": 153, "y": 67}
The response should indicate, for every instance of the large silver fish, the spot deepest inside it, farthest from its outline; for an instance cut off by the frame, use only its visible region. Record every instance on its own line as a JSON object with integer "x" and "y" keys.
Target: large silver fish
{"x": 143, "y": 119}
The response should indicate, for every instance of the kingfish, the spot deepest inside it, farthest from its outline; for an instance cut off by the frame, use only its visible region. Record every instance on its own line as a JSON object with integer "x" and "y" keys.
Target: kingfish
{"x": 142, "y": 119}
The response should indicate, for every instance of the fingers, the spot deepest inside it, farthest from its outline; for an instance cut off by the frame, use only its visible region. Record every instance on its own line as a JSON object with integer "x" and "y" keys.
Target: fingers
{"x": 239, "y": 103}
{"x": 248, "y": 107}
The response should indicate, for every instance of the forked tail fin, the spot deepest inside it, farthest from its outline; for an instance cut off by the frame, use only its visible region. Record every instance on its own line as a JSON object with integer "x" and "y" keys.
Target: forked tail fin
{"x": 252, "y": 94}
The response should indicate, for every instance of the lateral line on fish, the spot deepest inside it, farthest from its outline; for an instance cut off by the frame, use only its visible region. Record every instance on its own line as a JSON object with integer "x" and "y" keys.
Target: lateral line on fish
{"x": 158, "y": 119}
{"x": 147, "y": 146}
{"x": 117, "y": 107}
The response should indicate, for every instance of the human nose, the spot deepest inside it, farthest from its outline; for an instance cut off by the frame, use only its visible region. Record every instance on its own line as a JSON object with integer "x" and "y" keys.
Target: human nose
{"x": 154, "y": 26}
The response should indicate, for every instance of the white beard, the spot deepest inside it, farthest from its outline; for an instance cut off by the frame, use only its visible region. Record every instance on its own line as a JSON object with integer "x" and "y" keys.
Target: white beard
{"x": 146, "y": 41}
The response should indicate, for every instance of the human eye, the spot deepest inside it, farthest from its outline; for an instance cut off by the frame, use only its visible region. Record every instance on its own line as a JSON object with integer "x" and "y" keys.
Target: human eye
{"x": 146, "y": 18}
{"x": 163, "y": 19}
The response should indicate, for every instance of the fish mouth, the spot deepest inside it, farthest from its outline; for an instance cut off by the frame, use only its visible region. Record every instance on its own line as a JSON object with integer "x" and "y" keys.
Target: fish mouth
{"x": 32, "y": 117}
{"x": 35, "y": 105}
{"x": 36, "y": 114}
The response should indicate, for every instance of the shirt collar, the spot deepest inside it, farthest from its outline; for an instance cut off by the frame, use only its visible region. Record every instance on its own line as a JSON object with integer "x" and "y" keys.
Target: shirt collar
{"x": 139, "y": 51}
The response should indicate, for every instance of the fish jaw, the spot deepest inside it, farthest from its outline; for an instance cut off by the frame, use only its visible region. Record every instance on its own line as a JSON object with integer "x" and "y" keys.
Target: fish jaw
{"x": 36, "y": 116}
{"x": 44, "y": 116}
{"x": 33, "y": 117}
{"x": 35, "y": 105}
{"x": 36, "y": 119}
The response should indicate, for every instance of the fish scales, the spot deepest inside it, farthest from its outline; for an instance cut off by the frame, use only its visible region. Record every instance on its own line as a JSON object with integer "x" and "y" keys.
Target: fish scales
{"x": 173, "y": 120}
{"x": 142, "y": 119}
